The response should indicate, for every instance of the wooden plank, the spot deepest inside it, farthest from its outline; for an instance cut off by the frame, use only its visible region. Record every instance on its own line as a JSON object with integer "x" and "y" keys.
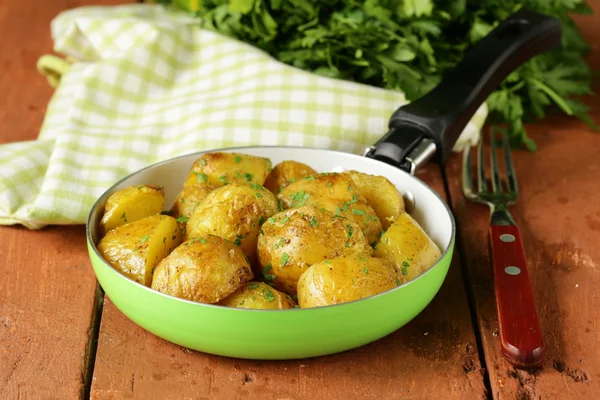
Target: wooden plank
{"x": 435, "y": 356}
{"x": 47, "y": 290}
{"x": 559, "y": 216}
{"x": 47, "y": 294}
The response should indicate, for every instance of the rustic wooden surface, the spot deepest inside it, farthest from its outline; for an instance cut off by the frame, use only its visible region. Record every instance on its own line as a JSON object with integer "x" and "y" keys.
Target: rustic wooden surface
{"x": 435, "y": 356}
{"x": 47, "y": 288}
{"x": 49, "y": 312}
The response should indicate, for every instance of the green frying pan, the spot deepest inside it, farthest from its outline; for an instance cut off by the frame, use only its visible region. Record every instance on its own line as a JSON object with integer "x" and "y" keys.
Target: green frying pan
{"x": 425, "y": 128}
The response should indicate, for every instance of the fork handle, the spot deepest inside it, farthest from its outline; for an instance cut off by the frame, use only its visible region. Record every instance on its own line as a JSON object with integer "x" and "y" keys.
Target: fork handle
{"x": 520, "y": 331}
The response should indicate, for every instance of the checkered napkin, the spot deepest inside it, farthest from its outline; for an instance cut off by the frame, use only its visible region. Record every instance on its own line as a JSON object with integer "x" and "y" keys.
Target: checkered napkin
{"x": 144, "y": 84}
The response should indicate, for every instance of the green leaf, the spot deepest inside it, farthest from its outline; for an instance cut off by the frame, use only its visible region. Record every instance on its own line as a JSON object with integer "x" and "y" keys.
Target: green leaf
{"x": 243, "y": 6}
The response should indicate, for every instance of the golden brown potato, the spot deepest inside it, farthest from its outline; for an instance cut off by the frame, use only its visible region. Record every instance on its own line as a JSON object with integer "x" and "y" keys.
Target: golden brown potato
{"x": 234, "y": 212}
{"x": 343, "y": 279}
{"x": 381, "y": 195}
{"x": 131, "y": 204}
{"x": 294, "y": 239}
{"x": 286, "y": 172}
{"x": 223, "y": 168}
{"x": 205, "y": 269}
{"x": 188, "y": 199}
{"x": 134, "y": 249}
{"x": 258, "y": 295}
{"x": 338, "y": 194}
{"x": 408, "y": 246}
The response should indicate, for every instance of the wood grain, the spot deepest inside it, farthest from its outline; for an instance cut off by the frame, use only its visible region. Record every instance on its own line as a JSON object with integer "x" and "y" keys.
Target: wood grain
{"x": 47, "y": 294}
{"x": 435, "y": 356}
{"x": 47, "y": 289}
{"x": 559, "y": 216}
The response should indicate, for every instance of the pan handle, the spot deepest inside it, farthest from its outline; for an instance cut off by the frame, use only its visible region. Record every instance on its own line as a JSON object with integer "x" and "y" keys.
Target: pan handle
{"x": 433, "y": 123}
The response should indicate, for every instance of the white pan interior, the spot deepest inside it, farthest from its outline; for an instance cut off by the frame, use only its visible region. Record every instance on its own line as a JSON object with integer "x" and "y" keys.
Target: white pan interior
{"x": 430, "y": 211}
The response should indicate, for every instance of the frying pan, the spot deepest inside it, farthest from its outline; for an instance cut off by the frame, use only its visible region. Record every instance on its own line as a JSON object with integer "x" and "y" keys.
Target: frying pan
{"x": 423, "y": 130}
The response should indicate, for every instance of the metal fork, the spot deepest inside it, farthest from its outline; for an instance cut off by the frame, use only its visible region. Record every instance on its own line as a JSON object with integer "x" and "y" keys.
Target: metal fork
{"x": 520, "y": 331}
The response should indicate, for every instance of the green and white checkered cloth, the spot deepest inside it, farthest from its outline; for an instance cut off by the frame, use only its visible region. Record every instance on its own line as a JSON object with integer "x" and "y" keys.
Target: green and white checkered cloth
{"x": 148, "y": 84}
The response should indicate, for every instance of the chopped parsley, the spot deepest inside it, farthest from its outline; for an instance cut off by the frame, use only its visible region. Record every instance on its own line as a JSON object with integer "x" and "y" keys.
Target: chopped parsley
{"x": 248, "y": 176}
{"x": 300, "y": 198}
{"x": 362, "y": 259}
{"x": 144, "y": 238}
{"x": 182, "y": 219}
{"x": 314, "y": 222}
{"x": 284, "y": 259}
{"x": 259, "y": 195}
{"x": 253, "y": 286}
{"x": 202, "y": 178}
{"x": 238, "y": 159}
{"x": 285, "y": 220}
{"x": 124, "y": 217}
{"x": 139, "y": 187}
{"x": 201, "y": 240}
{"x": 404, "y": 269}
{"x": 281, "y": 207}
{"x": 327, "y": 261}
{"x": 202, "y": 161}
{"x": 271, "y": 220}
{"x": 398, "y": 283}
{"x": 223, "y": 179}
{"x": 366, "y": 270}
{"x": 261, "y": 220}
{"x": 238, "y": 240}
{"x": 256, "y": 186}
{"x": 309, "y": 178}
{"x": 329, "y": 184}
{"x": 350, "y": 230}
{"x": 357, "y": 211}
{"x": 269, "y": 295}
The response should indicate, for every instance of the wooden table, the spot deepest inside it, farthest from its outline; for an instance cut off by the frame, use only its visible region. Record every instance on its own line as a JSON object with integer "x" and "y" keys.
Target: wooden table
{"x": 60, "y": 338}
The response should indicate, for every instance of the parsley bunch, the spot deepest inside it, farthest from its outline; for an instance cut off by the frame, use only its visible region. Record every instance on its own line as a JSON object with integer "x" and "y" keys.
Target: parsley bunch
{"x": 408, "y": 45}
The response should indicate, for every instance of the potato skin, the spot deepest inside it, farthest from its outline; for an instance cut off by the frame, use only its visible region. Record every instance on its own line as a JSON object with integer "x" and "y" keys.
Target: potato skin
{"x": 338, "y": 194}
{"x": 220, "y": 169}
{"x": 234, "y": 212}
{"x": 381, "y": 195}
{"x": 131, "y": 204}
{"x": 343, "y": 279}
{"x": 134, "y": 249}
{"x": 188, "y": 198}
{"x": 286, "y": 172}
{"x": 294, "y": 239}
{"x": 205, "y": 269}
{"x": 259, "y": 296}
{"x": 408, "y": 247}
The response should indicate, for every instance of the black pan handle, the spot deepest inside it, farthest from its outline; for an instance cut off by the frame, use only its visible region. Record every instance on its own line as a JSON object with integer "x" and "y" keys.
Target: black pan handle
{"x": 440, "y": 116}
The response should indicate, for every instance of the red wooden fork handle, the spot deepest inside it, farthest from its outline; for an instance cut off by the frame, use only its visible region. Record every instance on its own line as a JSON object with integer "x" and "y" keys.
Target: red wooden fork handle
{"x": 520, "y": 331}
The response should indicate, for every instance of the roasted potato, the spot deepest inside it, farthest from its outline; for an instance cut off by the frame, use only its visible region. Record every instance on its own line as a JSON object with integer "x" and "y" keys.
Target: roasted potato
{"x": 234, "y": 212}
{"x": 286, "y": 172}
{"x": 408, "y": 246}
{"x": 258, "y": 295}
{"x": 338, "y": 194}
{"x": 189, "y": 198}
{"x": 346, "y": 278}
{"x": 204, "y": 269}
{"x": 131, "y": 204}
{"x": 134, "y": 249}
{"x": 223, "y": 168}
{"x": 294, "y": 239}
{"x": 381, "y": 195}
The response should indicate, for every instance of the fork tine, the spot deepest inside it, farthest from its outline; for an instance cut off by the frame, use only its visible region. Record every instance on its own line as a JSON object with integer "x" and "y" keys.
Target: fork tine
{"x": 496, "y": 184}
{"x": 508, "y": 164}
{"x": 467, "y": 175}
{"x": 481, "y": 182}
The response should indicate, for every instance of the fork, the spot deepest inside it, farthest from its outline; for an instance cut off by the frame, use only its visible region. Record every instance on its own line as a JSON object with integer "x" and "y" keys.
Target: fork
{"x": 520, "y": 331}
